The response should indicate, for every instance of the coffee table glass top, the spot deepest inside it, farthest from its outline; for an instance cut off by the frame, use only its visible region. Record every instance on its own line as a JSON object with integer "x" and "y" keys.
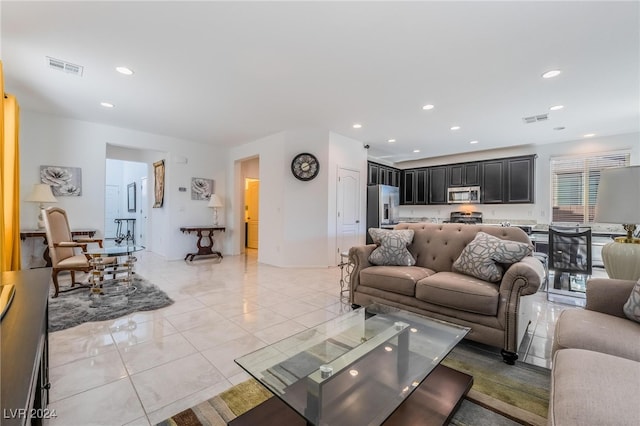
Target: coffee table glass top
{"x": 114, "y": 250}
{"x": 361, "y": 365}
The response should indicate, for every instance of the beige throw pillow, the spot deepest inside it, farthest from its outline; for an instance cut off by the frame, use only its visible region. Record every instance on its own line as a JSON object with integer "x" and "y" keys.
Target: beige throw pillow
{"x": 482, "y": 256}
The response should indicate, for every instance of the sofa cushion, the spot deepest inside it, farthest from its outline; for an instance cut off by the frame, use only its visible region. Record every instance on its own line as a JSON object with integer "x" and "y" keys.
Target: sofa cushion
{"x": 590, "y": 388}
{"x": 632, "y": 307}
{"x": 595, "y": 331}
{"x": 460, "y": 292}
{"x": 396, "y": 279}
{"x": 481, "y": 257}
{"x": 392, "y": 249}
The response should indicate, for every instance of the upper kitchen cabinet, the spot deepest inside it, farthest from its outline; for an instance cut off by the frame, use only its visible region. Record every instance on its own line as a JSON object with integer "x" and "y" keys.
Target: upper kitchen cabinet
{"x": 438, "y": 184}
{"x": 520, "y": 179}
{"x": 466, "y": 174}
{"x": 414, "y": 188}
{"x": 508, "y": 180}
{"x": 378, "y": 174}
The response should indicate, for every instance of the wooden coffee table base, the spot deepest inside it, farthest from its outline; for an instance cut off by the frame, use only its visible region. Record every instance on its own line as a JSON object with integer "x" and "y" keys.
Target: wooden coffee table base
{"x": 432, "y": 403}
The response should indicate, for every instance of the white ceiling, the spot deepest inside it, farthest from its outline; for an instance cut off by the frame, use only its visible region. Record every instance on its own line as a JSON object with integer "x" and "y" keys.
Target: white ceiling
{"x": 231, "y": 72}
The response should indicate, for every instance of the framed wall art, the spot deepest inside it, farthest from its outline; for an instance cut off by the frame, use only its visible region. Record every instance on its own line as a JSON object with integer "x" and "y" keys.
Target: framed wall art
{"x": 131, "y": 197}
{"x": 158, "y": 187}
{"x": 201, "y": 188}
{"x": 64, "y": 181}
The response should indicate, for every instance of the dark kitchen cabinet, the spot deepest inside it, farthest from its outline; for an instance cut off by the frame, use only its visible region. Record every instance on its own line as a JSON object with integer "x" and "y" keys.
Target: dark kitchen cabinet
{"x": 493, "y": 181}
{"x": 438, "y": 185}
{"x": 508, "y": 181}
{"x": 372, "y": 173}
{"x": 378, "y": 174}
{"x": 466, "y": 174}
{"x": 520, "y": 178}
{"x": 414, "y": 188}
{"x": 408, "y": 187}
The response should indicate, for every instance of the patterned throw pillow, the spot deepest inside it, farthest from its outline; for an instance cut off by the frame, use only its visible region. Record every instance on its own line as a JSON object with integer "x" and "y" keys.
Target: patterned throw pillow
{"x": 481, "y": 257}
{"x": 392, "y": 247}
{"x": 632, "y": 307}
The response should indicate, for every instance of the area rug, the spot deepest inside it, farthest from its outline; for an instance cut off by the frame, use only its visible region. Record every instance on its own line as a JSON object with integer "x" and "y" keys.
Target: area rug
{"x": 78, "y": 306}
{"x": 501, "y": 395}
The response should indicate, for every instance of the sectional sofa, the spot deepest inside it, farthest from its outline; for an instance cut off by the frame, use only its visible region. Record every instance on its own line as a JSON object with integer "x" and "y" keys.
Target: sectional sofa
{"x": 464, "y": 274}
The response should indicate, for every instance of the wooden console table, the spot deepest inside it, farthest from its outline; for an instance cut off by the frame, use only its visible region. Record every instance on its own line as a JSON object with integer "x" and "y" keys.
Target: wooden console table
{"x": 41, "y": 233}
{"x": 205, "y": 240}
{"x": 24, "y": 370}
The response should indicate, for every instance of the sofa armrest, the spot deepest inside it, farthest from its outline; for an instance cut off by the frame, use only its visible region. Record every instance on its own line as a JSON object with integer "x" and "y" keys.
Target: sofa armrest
{"x": 359, "y": 258}
{"x": 608, "y": 295}
{"x": 527, "y": 275}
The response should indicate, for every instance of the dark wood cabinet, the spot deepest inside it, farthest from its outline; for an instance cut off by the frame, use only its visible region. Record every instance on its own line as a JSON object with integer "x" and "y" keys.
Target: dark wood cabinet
{"x": 520, "y": 179}
{"x": 422, "y": 187}
{"x": 378, "y": 174}
{"x": 465, "y": 174}
{"x": 438, "y": 185}
{"x": 24, "y": 369}
{"x": 408, "y": 187}
{"x": 492, "y": 182}
{"x": 509, "y": 180}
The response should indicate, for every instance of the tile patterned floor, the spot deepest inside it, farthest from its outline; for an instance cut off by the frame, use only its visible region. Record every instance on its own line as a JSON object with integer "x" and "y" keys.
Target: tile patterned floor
{"x": 145, "y": 367}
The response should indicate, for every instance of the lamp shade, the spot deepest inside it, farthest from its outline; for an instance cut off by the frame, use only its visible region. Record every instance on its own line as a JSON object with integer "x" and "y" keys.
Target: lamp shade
{"x": 41, "y": 193}
{"x": 214, "y": 201}
{"x": 619, "y": 196}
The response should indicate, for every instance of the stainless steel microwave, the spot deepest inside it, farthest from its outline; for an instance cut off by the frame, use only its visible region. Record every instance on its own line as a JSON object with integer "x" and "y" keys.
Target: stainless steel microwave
{"x": 466, "y": 194}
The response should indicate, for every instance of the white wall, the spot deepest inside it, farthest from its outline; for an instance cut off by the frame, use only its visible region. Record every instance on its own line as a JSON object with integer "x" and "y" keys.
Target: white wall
{"x": 50, "y": 140}
{"x": 297, "y": 219}
{"x": 540, "y": 211}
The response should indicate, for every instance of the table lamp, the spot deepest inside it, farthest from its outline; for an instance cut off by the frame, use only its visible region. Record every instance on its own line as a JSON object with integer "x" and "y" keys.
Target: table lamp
{"x": 41, "y": 193}
{"x": 215, "y": 202}
{"x": 619, "y": 202}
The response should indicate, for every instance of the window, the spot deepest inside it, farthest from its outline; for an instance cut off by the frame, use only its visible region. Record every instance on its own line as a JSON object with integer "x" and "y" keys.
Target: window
{"x": 574, "y": 184}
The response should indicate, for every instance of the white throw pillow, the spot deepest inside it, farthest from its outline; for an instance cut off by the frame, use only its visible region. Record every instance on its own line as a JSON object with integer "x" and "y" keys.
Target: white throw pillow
{"x": 632, "y": 307}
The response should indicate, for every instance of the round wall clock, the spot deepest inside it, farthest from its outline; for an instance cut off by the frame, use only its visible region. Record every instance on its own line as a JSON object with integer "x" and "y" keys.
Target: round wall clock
{"x": 305, "y": 166}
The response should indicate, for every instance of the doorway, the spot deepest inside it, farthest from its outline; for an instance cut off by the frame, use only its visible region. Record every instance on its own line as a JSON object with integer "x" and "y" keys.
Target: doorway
{"x": 348, "y": 210}
{"x": 123, "y": 197}
{"x": 252, "y": 212}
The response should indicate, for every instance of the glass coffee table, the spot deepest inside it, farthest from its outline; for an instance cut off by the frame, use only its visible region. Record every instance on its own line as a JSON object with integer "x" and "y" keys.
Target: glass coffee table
{"x": 373, "y": 365}
{"x": 96, "y": 258}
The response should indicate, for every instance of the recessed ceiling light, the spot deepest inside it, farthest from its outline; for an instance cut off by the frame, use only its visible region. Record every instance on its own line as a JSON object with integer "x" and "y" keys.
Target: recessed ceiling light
{"x": 107, "y": 104}
{"x": 589, "y": 135}
{"x": 551, "y": 74}
{"x": 391, "y": 140}
{"x": 556, "y": 107}
{"x": 427, "y": 106}
{"x": 124, "y": 70}
{"x": 455, "y": 127}
{"x": 473, "y": 142}
{"x": 357, "y": 126}
{"x": 559, "y": 128}
{"x": 416, "y": 150}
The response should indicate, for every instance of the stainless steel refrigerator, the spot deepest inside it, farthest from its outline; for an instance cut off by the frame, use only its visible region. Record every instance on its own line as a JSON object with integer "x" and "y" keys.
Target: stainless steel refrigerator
{"x": 382, "y": 207}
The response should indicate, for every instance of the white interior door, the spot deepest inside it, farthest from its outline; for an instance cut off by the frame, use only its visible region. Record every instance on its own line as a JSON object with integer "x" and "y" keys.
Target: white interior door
{"x": 252, "y": 200}
{"x": 348, "y": 207}
{"x": 141, "y": 229}
{"x": 112, "y": 209}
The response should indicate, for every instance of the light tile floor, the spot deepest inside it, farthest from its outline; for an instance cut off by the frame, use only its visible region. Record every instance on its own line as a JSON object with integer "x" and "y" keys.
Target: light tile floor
{"x": 145, "y": 367}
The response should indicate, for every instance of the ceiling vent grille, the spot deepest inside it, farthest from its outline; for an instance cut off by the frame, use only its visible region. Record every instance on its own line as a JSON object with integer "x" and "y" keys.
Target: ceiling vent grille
{"x": 60, "y": 65}
{"x": 535, "y": 118}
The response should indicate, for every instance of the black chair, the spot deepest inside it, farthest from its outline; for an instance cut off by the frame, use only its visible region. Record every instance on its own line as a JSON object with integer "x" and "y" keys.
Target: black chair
{"x": 570, "y": 257}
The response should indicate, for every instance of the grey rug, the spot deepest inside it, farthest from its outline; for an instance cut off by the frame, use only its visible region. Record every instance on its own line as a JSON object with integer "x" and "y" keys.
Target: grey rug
{"x": 78, "y": 306}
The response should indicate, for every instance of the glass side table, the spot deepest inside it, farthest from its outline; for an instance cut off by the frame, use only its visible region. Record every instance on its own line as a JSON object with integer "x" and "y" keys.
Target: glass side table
{"x": 97, "y": 258}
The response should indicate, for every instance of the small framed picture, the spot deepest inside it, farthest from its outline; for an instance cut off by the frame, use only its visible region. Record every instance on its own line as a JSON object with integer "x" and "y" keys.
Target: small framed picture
{"x": 201, "y": 188}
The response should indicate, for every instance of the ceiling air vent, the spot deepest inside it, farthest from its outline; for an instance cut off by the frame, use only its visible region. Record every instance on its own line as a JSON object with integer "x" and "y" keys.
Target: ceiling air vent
{"x": 60, "y": 65}
{"x": 535, "y": 118}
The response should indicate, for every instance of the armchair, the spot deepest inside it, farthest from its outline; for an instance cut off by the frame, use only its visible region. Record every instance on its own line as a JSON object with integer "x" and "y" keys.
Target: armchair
{"x": 62, "y": 248}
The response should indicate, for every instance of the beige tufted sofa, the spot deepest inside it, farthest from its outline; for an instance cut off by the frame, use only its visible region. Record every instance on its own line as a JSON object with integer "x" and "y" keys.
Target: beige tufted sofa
{"x": 495, "y": 312}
